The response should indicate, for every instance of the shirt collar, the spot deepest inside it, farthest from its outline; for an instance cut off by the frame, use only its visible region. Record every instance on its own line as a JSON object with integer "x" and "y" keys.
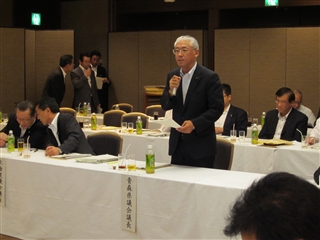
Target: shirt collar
{"x": 63, "y": 72}
{"x": 190, "y": 72}
{"x": 286, "y": 116}
{"x": 54, "y": 124}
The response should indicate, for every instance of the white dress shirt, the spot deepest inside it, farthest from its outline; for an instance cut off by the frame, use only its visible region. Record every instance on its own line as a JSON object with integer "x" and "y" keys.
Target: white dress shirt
{"x": 54, "y": 128}
{"x": 280, "y": 125}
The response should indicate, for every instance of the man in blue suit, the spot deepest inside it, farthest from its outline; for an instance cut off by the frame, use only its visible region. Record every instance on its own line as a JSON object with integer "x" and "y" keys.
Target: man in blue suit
{"x": 232, "y": 116}
{"x": 285, "y": 121}
{"x": 194, "y": 94}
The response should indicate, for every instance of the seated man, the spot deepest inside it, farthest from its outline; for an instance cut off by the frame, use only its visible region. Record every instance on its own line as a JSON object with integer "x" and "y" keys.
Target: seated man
{"x": 24, "y": 124}
{"x": 278, "y": 206}
{"x": 231, "y": 115}
{"x": 64, "y": 132}
{"x": 297, "y": 104}
{"x": 285, "y": 121}
{"x": 315, "y": 133}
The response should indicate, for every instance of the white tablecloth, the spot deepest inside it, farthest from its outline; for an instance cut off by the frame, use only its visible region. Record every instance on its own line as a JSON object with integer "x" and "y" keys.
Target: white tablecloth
{"x": 61, "y": 199}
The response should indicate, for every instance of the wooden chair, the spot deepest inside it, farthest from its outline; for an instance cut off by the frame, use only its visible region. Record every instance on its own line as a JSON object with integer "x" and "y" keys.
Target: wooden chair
{"x": 224, "y": 155}
{"x": 132, "y": 117}
{"x": 127, "y": 107}
{"x": 106, "y": 143}
{"x": 113, "y": 118}
{"x": 68, "y": 110}
{"x": 155, "y": 108}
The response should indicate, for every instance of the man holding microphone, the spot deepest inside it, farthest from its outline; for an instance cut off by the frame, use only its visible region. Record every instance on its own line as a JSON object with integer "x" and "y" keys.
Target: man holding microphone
{"x": 195, "y": 96}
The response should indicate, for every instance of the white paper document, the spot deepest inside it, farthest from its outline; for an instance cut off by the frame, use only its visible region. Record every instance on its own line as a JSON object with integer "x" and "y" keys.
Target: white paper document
{"x": 99, "y": 82}
{"x": 169, "y": 122}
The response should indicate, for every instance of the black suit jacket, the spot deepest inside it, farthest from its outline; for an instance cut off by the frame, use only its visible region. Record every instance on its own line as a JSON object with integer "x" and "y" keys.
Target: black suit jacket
{"x": 37, "y": 132}
{"x": 203, "y": 106}
{"x": 238, "y": 117}
{"x": 82, "y": 89}
{"x": 316, "y": 176}
{"x": 295, "y": 120}
{"x": 103, "y": 93}
{"x": 55, "y": 86}
{"x": 71, "y": 136}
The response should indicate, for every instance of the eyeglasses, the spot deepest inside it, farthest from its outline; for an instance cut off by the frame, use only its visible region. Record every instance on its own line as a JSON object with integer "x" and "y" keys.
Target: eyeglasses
{"x": 23, "y": 119}
{"x": 280, "y": 102}
{"x": 182, "y": 51}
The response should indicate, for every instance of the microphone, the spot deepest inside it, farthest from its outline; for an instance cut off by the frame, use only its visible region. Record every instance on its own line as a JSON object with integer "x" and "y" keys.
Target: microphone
{"x": 174, "y": 91}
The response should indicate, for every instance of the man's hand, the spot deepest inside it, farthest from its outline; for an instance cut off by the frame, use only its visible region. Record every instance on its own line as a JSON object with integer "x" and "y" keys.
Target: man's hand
{"x": 219, "y": 130}
{"x": 52, "y": 151}
{"x": 87, "y": 72}
{"x": 105, "y": 80}
{"x": 174, "y": 83}
{"x": 187, "y": 127}
{"x": 3, "y": 139}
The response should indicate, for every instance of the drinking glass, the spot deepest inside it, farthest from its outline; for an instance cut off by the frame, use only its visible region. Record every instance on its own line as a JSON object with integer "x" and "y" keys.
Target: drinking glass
{"x": 131, "y": 162}
{"x": 124, "y": 127}
{"x": 155, "y": 115}
{"x": 20, "y": 142}
{"x": 5, "y": 117}
{"x": 304, "y": 141}
{"x": 255, "y": 121}
{"x": 249, "y": 122}
{"x": 130, "y": 127}
{"x": 121, "y": 162}
{"x": 242, "y": 136}
{"x": 86, "y": 123}
{"x": 233, "y": 135}
{"x": 81, "y": 122}
{"x": 26, "y": 150}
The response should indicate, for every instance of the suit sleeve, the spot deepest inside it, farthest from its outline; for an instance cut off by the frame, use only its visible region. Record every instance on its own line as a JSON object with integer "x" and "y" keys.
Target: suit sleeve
{"x": 167, "y": 102}
{"x": 242, "y": 122}
{"x": 77, "y": 80}
{"x": 302, "y": 125}
{"x": 264, "y": 131}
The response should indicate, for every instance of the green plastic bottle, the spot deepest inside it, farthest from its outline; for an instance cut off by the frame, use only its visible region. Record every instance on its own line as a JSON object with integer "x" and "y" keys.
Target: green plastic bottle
{"x": 255, "y": 134}
{"x": 263, "y": 117}
{"x": 139, "y": 126}
{"x": 93, "y": 121}
{"x": 150, "y": 160}
{"x": 85, "y": 113}
{"x": 10, "y": 142}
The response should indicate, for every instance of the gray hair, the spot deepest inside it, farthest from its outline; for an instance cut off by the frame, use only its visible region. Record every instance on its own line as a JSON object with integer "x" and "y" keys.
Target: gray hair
{"x": 193, "y": 42}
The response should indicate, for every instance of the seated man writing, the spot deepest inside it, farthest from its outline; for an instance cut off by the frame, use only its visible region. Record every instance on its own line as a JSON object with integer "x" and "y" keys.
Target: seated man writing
{"x": 64, "y": 132}
{"x": 285, "y": 121}
{"x": 24, "y": 124}
{"x": 231, "y": 116}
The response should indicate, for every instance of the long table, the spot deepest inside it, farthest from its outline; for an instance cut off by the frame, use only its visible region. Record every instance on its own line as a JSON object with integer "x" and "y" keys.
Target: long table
{"x": 246, "y": 157}
{"x": 62, "y": 199}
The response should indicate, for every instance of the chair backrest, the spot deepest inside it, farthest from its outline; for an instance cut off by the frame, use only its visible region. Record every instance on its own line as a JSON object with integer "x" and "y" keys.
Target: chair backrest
{"x": 68, "y": 110}
{"x": 127, "y": 107}
{"x": 113, "y": 118}
{"x": 132, "y": 117}
{"x": 155, "y": 108}
{"x": 106, "y": 143}
{"x": 224, "y": 155}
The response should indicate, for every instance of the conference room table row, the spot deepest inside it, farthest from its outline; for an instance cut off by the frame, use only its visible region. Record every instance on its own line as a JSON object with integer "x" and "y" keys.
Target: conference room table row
{"x": 48, "y": 198}
{"x": 246, "y": 158}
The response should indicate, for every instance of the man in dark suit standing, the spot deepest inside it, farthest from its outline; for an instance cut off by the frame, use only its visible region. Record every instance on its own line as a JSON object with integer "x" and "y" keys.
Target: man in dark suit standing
{"x": 64, "y": 132}
{"x": 84, "y": 83}
{"x": 283, "y": 122}
{"x": 194, "y": 94}
{"x": 55, "y": 85}
{"x": 231, "y": 116}
{"x": 24, "y": 124}
{"x": 100, "y": 71}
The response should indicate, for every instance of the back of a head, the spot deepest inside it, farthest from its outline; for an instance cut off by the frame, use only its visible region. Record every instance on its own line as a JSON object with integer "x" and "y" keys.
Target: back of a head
{"x": 48, "y": 102}
{"x": 279, "y": 206}
{"x": 65, "y": 60}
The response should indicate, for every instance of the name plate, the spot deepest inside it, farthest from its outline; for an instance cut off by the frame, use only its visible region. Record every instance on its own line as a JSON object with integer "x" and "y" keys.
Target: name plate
{"x": 128, "y": 202}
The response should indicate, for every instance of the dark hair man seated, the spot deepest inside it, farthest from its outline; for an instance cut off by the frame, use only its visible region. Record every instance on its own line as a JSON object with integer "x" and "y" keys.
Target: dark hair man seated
{"x": 283, "y": 122}
{"x": 278, "y": 206}
{"x": 231, "y": 115}
{"x": 24, "y": 124}
{"x": 64, "y": 132}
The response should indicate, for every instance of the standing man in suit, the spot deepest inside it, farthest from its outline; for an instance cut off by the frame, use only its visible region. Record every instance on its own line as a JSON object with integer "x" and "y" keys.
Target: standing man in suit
{"x": 84, "y": 83}
{"x": 283, "y": 122}
{"x": 100, "y": 71}
{"x": 55, "y": 85}
{"x": 24, "y": 124}
{"x": 64, "y": 132}
{"x": 194, "y": 94}
{"x": 231, "y": 116}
